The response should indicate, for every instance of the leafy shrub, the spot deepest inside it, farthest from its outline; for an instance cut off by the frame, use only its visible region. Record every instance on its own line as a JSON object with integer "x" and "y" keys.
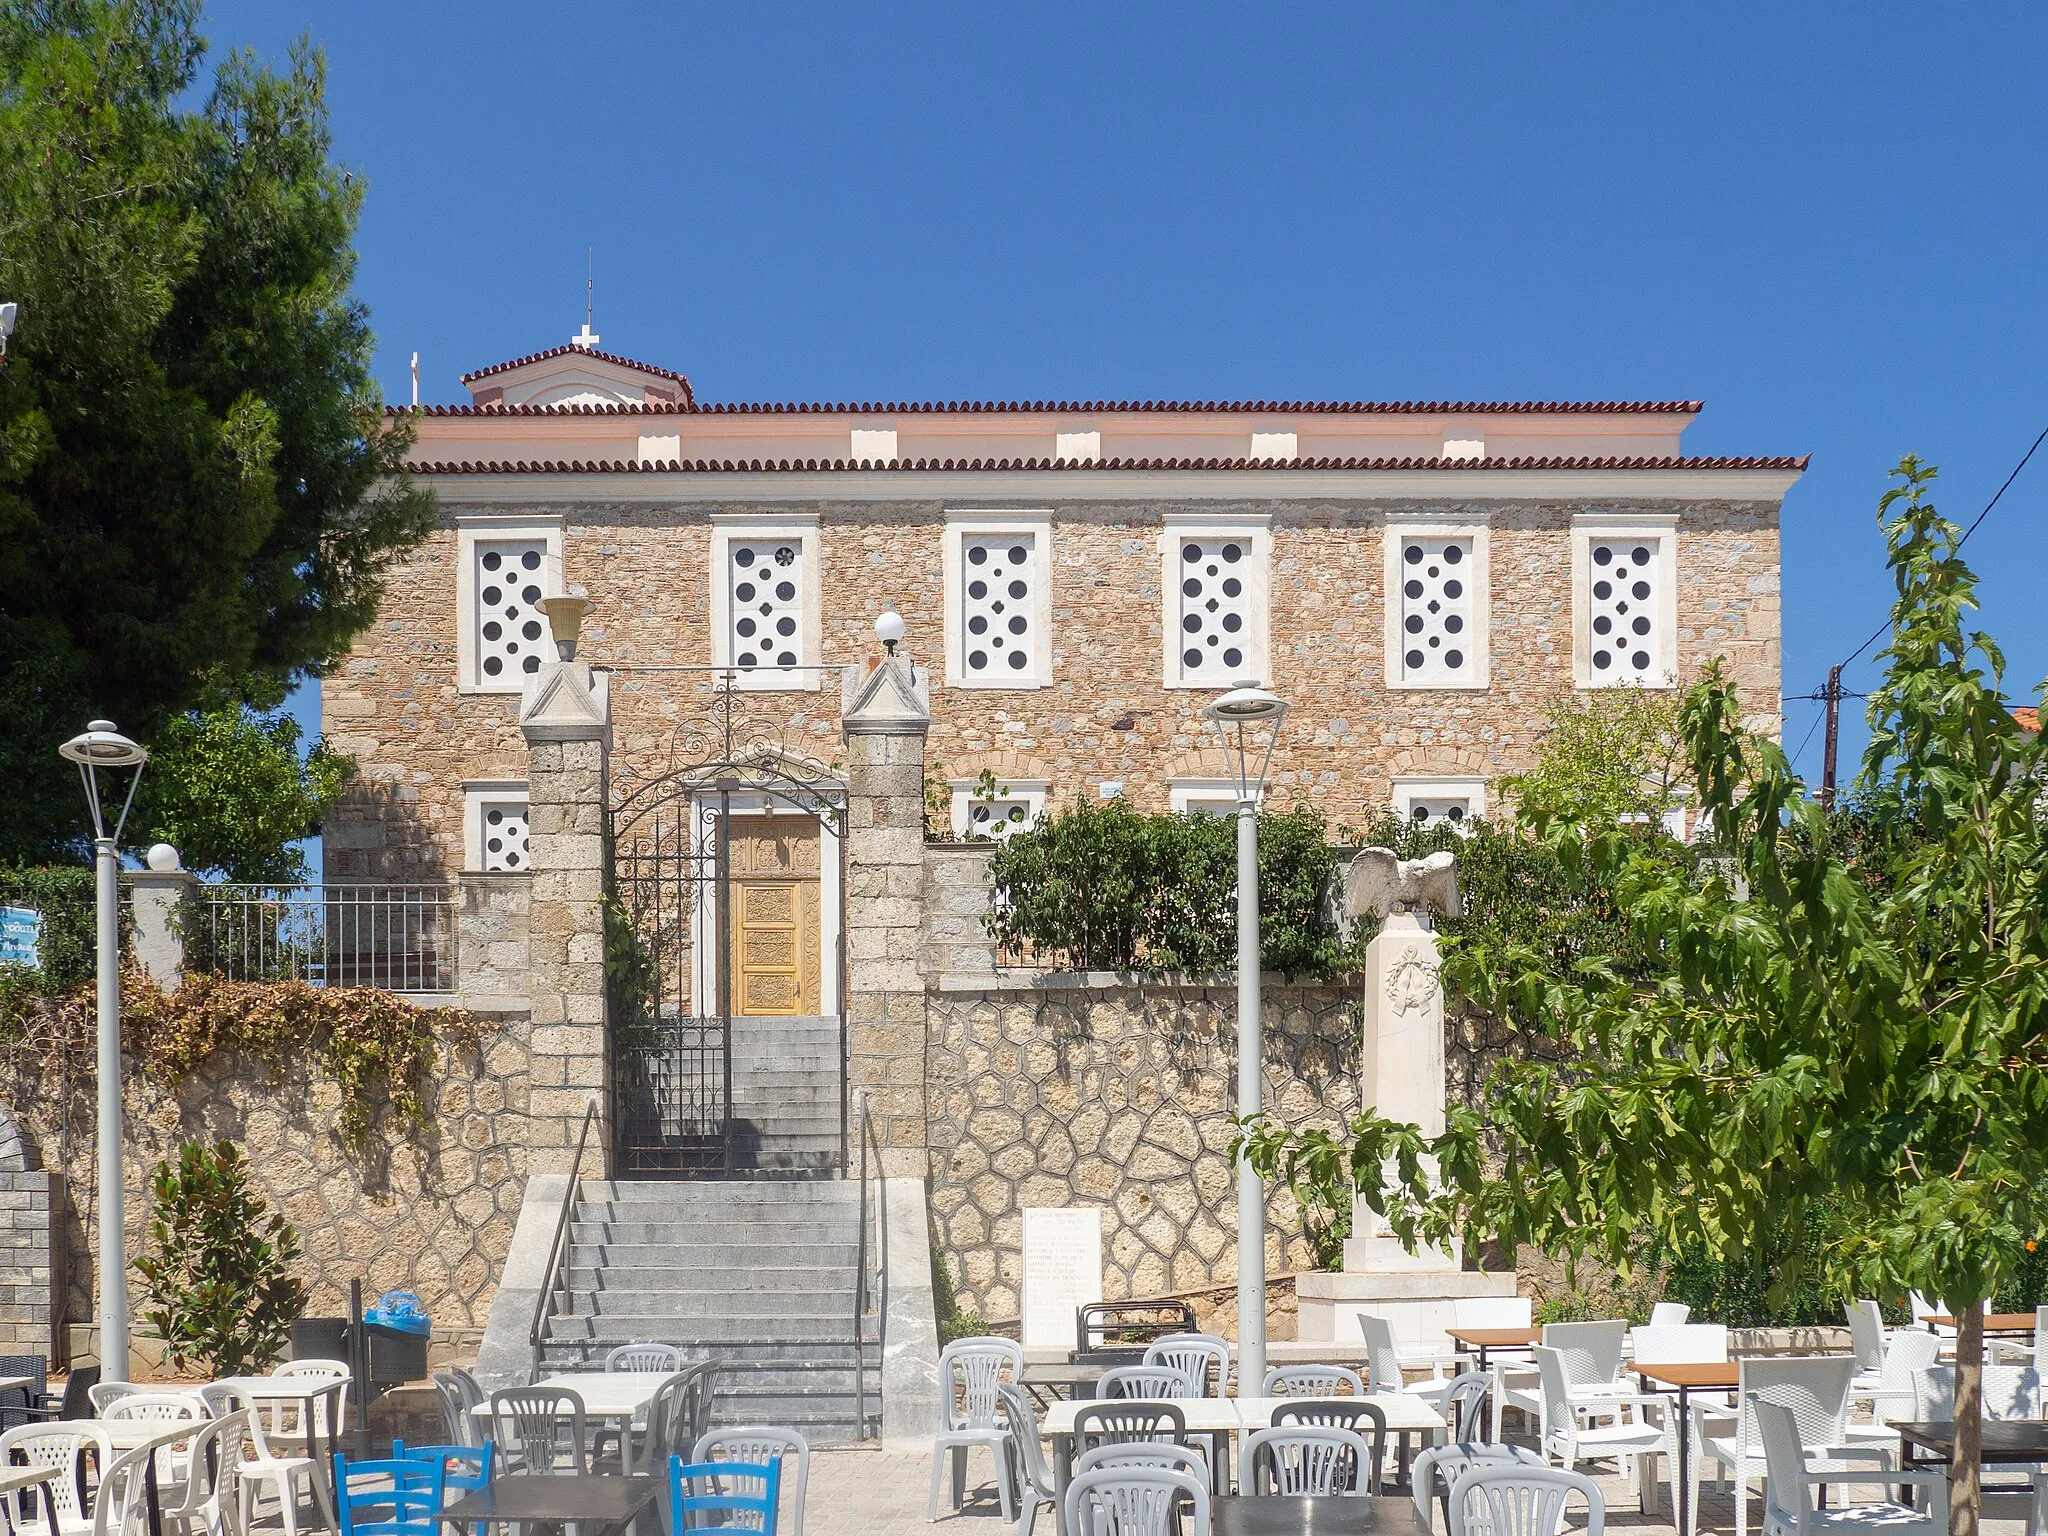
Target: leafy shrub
{"x": 1106, "y": 888}
{"x": 66, "y": 950}
{"x": 217, "y": 1265}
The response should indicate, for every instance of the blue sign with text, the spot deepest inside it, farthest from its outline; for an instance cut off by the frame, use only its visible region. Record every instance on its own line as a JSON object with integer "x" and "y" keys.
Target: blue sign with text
{"x": 21, "y": 928}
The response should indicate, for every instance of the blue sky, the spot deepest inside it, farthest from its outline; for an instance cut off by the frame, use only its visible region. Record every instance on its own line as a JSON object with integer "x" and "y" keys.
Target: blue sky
{"x": 1826, "y": 222}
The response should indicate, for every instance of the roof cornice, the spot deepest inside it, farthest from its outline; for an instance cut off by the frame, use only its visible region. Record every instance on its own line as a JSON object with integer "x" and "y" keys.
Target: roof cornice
{"x": 1042, "y": 407}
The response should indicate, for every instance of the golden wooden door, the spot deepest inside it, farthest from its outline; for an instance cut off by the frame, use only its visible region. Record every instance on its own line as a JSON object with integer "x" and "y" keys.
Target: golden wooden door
{"x": 776, "y": 939}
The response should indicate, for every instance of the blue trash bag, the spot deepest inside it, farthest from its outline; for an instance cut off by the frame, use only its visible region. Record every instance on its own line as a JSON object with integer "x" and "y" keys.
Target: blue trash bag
{"x": 399, "y": 1310}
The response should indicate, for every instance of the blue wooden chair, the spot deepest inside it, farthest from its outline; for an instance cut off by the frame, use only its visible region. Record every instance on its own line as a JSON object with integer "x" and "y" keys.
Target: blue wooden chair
{"x": 723, "y": 1479}
{"x": 403, "y": 1496}
{"x": 464, "y": 1468}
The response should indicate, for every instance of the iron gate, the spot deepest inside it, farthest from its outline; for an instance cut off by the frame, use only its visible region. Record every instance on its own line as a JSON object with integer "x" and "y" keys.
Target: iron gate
{"x": 668, "y": 937}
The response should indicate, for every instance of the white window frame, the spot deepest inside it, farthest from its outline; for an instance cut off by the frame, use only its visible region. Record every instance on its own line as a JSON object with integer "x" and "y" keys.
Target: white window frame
{"x": 1479, "y": 582}
{"x": 1409, "y": 788}
{"x": 470, "y": 532}
{"x": 1661, "y": 526}
{"x": 476, "y": 794}
{"x": 802, "y": 529}
{"x": 1038, "y": 524}
{"x": 1208, "y": 797}
{"x": 1258, "y": 533}
{"x": 1032, "y": 792}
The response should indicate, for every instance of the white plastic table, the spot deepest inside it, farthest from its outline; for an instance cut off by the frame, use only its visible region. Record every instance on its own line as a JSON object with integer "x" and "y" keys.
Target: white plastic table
{"x": 605, "y": 1394}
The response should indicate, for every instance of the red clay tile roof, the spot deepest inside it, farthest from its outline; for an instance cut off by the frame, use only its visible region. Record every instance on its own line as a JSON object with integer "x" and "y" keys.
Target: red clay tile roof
{"x": 1056, "y": 407}
{"x": 565, "y": 350}
{"x": 785, "y": 466}
{"x": 2029, "y": 719}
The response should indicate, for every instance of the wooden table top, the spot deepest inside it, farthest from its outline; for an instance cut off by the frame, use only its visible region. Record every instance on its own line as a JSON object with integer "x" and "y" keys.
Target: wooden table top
{"x": 1994, "y": 1322}
{"x": 1694, "y": 1373}
{"x": 1496, "y": 1338}
{"x": 2004, "y": 1440}
{"x": 1275, "y": 1515}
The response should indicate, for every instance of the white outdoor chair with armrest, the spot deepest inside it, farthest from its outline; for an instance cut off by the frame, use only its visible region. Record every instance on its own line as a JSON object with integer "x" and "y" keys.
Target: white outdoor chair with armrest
{"x": 160, "y": 1408}
{"x": 2008, "y": 1392}
{"x": 1816, "y": 1389}
{"x": 2006, "y": 1352}
{"x": 761, "y": 1444}
{"x": 1684, "y": 1344}
{"x": 1438, "y": 1468}
{"x": 1788, "y": 1489}
{"x": 971, "y": 1414}
{"x": 1514, "y": 1381}
{"x": 1866, "y": 1336}
{"x": 1305, "y": 1460}
{"x": 1522, "y": 1501}
{"x": 1137, "y": 1501}
{"x": 1385, "y": 1364}
{"x": 1922, "y": 1309}
{"x": 1593, "y": 1354}
{"x": 62, "y": 1445}
{"x": 1670, "y": 1314}
{"x": 101, "y": 1393}
{"x": 1635, "y": 1447}
{"x": 1312, "y": 1381}
{"x": 1201, "y": 1357}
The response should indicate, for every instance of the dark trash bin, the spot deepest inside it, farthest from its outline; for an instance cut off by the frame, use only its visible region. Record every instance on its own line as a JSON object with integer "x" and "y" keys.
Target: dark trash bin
{"x": 320, "y": 1338}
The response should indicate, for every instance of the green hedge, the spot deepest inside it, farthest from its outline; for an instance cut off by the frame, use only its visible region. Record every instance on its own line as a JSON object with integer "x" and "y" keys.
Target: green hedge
{"x": 65, "y": 898}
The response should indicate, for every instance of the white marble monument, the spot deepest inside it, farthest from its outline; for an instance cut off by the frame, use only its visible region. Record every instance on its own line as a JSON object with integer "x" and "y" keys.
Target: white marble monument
{"x": 1401, "y": 1074}
{"x": 1061, "y": 1249}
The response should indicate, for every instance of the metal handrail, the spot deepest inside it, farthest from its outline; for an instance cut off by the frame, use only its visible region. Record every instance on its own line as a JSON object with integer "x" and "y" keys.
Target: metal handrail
{"x": 544, "y": 1304}
{"x": 863, "y": 1293}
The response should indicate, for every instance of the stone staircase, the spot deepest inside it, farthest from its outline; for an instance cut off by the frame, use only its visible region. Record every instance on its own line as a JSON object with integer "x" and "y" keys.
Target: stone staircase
{"x": 758, "y": 1273}
{"x": 786, "y": 1096}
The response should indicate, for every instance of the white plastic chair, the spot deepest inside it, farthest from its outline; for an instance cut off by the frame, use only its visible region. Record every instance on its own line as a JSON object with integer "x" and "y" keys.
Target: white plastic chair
{"x": 1385, "y": 1364}
{"x": 2005, "y": 1352}
{"x": 1522, "y": 1501}
{"x": 971, "y": 1415}
{"x": 101, "y": 1393}
{"x": 1907, "y": 1352}
{"x": 760, "y": 1444}
{"x": 1150, "y": 1382}
{"x": 2010, "y": 1392}
{"x": 160, "y": 1408}
{"x": 1788, "y": 1489}
{"x": 1144, "y": 1453}
{"x": 1035, "y": 1482}
{"x": 1634, "y": 1446}
{"x": 1816, "y": 1389}
{"x": 63, "y": 1446}
{"x": 119, "y": 1507}
{"x": 283, "y": 1474}
{"x": 1866, "y": 1335}
{"x": 207, "y": 1477}
{"x": 665, "y": 1358}
{"x": 1311, "y": 1460}
{"x": 1684, "y": 1344}
{"x": 329, "y": 1414}
{"x": 1137, "y": 1501}
{"x": 1592, "y": 1356}
{"x": 1438, "y": 1468}
{"x": 1195, "y": 1356}
{"x": 1312, "y": 1381}
{"x": 1922, "y": 1309}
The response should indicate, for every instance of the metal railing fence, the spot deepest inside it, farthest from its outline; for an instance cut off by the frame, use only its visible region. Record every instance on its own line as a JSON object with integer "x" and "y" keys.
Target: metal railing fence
{"x": 400, "y": 938}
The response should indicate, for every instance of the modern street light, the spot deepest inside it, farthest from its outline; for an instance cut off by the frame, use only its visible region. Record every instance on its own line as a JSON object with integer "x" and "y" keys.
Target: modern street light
{"x": 1237, "y": 715}
{"x": 103, "y": 748}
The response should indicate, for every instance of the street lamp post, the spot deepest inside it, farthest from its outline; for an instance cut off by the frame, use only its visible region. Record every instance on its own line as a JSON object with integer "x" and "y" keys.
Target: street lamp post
{"x": 1235, "y": 714}
{"x": 104, "y": 748}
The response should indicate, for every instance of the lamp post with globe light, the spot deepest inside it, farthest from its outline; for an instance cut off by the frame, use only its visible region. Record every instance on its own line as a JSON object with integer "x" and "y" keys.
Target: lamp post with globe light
{"x": 1236, "y": 715}
{"x": 103, "y": 749}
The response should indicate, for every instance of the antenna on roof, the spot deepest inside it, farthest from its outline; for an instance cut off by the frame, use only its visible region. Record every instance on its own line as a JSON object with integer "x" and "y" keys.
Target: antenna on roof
{"x": 589, "y": 339}
{"x": 415, "y": 378}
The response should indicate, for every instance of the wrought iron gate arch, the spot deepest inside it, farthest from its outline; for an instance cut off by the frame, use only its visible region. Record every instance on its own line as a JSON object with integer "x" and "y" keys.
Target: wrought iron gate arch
{"x": 669, "y": 839}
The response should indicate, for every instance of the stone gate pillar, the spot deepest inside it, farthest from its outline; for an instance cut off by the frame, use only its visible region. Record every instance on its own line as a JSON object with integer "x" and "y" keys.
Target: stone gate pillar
{"x": 566, "y": 718}
{"x": 885, "y": 717}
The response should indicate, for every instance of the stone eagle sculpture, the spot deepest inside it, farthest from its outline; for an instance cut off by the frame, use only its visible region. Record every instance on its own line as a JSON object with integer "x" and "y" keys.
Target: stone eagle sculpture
{"x": 1378, "y": 882}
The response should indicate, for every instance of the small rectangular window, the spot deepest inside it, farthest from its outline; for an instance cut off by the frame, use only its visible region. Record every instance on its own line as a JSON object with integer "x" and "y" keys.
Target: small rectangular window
{"x": 1437, "y": 633}
{"x": 1431, "y": 800}
{"x": 504, "y": 834}
{"x": 1213, "y": 605}
{"x": 767, "y": 587}
{"x": 999, "y": 576}
{"x": 511, "y": 638}
{"x": 1625, "y": 606}
{"x": 1014, "y": 808}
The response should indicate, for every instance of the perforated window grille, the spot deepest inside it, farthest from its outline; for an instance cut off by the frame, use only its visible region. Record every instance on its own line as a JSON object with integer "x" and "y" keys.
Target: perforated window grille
{"x": 1213, "y": 622}
{"x": 767, "y": 603}
{"x": 999, "y": 819}
{"x": 1426, "y": 810}
{"x": 1623, "y": 601}
{"x": 1437, "y": 636}
{"x": 504, "y": 834}
{"x": 511, "y": 629}
{"x": 999, "y": 576}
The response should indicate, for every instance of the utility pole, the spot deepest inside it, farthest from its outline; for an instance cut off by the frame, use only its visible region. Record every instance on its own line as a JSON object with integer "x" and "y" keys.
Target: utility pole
{"x": 1833, "y": 698}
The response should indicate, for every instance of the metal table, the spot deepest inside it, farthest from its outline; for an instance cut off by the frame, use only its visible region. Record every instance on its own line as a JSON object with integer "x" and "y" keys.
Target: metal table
{"x": 2004, "y": 1441}
{"x": 1272, "y": 1515}
{"x": 609, "y": 1503}
{"x": 1072, "y": 1379}
{"x": 1684, "y": 1380}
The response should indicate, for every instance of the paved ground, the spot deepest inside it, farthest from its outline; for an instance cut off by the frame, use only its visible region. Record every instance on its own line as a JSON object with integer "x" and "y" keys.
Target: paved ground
{"x": 882, "y": 1493}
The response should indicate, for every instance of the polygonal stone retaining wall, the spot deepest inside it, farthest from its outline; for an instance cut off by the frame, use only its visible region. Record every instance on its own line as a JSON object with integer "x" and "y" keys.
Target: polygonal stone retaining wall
{"x": 1086, "y": 1090}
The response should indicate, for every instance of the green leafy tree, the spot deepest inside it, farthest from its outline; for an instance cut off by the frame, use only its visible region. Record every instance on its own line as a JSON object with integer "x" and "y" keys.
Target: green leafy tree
{"x": 217, "y": 1265}
{"x": 1850, "y": 1043}
{"x": 230, "y": 791}
{"x": 199, "y": 492}
{"x": 1609, "y": 757}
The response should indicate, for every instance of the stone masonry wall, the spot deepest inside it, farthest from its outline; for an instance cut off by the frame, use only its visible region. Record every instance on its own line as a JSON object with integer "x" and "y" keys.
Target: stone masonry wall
{"x": 29, "y": 1276}
{"x": 431, "y": 1213}
{"x": 1084, "y": 1091}
{"x": 395, "y": 703}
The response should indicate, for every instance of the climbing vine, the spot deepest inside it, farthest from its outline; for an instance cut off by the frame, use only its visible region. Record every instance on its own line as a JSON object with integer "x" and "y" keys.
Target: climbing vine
{"x": 378, "y": 1048}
